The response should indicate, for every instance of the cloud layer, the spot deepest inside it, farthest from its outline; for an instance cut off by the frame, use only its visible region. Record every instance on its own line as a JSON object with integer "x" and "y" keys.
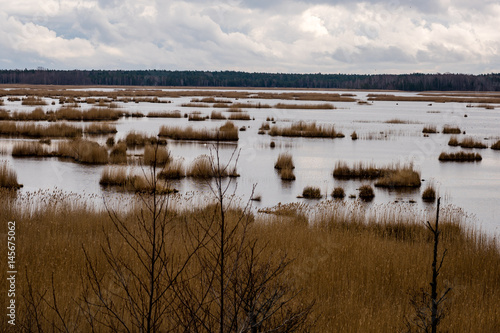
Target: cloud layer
{"x": 339, "y": 36}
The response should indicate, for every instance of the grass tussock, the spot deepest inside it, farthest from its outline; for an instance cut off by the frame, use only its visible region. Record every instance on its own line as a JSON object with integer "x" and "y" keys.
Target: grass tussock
{"x": 399, "y": 121}
{"x": 203, "y": 168}
{"x": 118, "y": 154}
{"x": 470, "y": 142}
{"x": 366, "y": 192}
{"x": 323, "y": 106}
{"x": 8, "y": 177}
{"x": 453, "y": 142}
{"x": 429, "y": 129}
{"x": 429, "y": 194}
{"x": 210, "y": 100}
{"x": 360, "y": 170}
{"x": 136, "y": 139}
{"x": 311, "y": 192}
{"x": 100, "y": 129}
{"x": 226, "y": 132}
{"x": 156, "y": 154}
{"x": 460, "y": 157}
{"x": 173, "y": 170}
{"x": 239, "y": 116}
{"x": 388, "y": 176}
{"x": 127, "y": 181}
{"x": 496, "y": 145}
{"x": 30, "y": 149}
{"x": 450, "y": 129}
{"x": 83, "y": 151}
{"x": 354, "y": 135}
{"x": 39, "y": 131}
{"x": 284, "y": 161}
{"x": 217, "y": 115}
{"x": 287, "y": 174}
{"x": 338, "y": 193}
{"x": 354, "y": 261}
{"x": 400, "y": 176}
{"x": 195, "y": 105}
{"x": 197, "y": 116}
{"x": 307, "y": 130}
{"x": 243, "y": 106}
{"x": 33, "y": 100}
{"x": 170, "y": 114}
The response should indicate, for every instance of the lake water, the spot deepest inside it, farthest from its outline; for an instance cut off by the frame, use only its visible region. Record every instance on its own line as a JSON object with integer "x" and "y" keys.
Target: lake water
{"x": 474, "y": 187}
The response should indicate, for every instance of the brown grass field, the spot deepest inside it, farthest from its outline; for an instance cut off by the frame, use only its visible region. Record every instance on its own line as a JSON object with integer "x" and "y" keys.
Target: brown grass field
{"x": 352, "y": 261}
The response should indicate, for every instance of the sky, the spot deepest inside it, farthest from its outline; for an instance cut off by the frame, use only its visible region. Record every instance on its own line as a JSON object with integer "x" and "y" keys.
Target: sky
{"x": 308, "y": 36}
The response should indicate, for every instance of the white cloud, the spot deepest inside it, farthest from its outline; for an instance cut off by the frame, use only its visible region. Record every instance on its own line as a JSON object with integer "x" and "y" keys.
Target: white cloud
{"x": 285, "y": 36}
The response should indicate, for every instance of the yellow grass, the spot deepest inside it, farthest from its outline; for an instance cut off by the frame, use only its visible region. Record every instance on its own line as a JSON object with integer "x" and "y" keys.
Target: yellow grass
{"x": 358, "y": 264}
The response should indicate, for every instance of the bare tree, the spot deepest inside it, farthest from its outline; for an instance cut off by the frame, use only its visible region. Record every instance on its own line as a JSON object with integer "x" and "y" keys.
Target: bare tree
{"x": 429, "y": 307}
{"x": 236, "y": 286}
{"x": 133, "y": 291}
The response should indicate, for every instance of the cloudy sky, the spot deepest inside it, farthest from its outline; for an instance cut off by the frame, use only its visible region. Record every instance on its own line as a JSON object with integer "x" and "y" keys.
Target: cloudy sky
{"x": 308, "y": 36}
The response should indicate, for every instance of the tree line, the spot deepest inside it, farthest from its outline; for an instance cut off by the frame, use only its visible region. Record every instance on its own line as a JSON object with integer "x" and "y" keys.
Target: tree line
{"x": 406, "y": 82}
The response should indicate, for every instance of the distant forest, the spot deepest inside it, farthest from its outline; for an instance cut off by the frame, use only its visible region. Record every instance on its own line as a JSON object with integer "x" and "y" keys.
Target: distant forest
{"x": 407, "y": 82}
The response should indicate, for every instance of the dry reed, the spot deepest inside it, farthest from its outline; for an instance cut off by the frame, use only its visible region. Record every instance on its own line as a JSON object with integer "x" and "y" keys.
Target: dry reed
{"x": 366, "y": 192}
{"x": 470, "y": 142}
{"x": 338, "y": 193}
{"x": 284, "y": 161}
{"x": 460, "y": 157}
{"x": 170, "y": 114}
{"x": 308, "y": 130}
{"x": 450, "y": 129}
{"x": 38, "y": 131}
{"x": 287, "y": 174}
{"x": 30, "y": 149}
{"x": 8, "y": 177}
{"x": 83, "y": 151}
{"x": 156, "y": 154}
{"x": 496, "y": 145}
{"x": 311, "y": 192}
{"x": 100, "y": 129}
{"x": 118, "y": 154}
{"x": 325, "y": 106}
{"x": 429, "y": 129}
{"x": 429, "y": 194}
{"x": 216, "y": 115}
{"x": 225, "y": 133}
{"x": 173, "y": 170}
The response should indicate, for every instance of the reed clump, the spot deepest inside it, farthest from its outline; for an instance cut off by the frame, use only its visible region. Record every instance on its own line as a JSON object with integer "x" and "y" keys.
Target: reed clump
{"x": 8, "y": 177}
{"x": 429, "y": 194}
{"x": 284, "y": 161}
{"x": 92, "y": 114}
{"x": 338, "y": 193}
{"x": 366, "y": 192}
{"x": 83, "y": 151}
{"x": 156, "y": 154}
{"x": 225, "y": 133}
{"x": 118, "y": 154}
{"x": 324, "y": 106}
{"x": 460, "y": 157}
{"x": 173, "y": 170}
{"x": 217, "y": 115}
{"x": 203, "y": 168}
{"x": 33, "y": 100}
{"x": 400, "y": 176}
{"x": 470, "y": 142}
{"x": 360, "y": 170}
{"x": 287, "y": 174}
{"x": 239, "y": 116}
{"x": 197, "y": 116}
{"x": 354, "y": 135}
{"x": 39, "y": 131}
{"x": 136, "y": 139}
{"x": 450, "y": 129}
{"x": 307, "y": 130}
{"x": 453, "y": 141}
{"x": 311, "y": 192}
{"x": 170, "y": 114}
{"x": 496, "y": 145}
{"x": 30, "y": 149}
{"x": 429, "y": 129}
{"x": 100, "y": 129}
{"x": 127, "y": 181}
